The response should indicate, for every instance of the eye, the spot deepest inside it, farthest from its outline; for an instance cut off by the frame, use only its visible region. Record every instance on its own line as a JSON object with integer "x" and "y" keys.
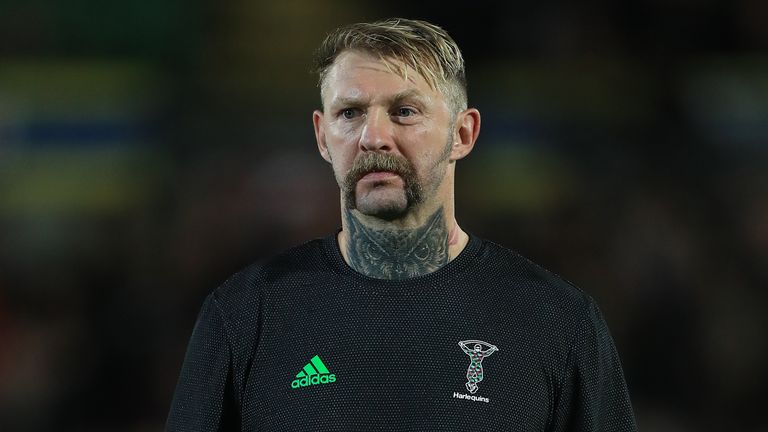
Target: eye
{"x": 349, "y": 113}
{"x": 405, "y": 112}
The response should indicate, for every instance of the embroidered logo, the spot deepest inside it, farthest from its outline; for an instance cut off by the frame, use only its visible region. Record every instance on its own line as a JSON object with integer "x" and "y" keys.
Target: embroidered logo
{"x": 477, "y": 352}
{"x": 313, "y": 373}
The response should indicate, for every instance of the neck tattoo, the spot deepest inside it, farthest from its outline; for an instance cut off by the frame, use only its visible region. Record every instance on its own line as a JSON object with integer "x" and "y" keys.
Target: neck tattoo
{"x": 393, "y": 253}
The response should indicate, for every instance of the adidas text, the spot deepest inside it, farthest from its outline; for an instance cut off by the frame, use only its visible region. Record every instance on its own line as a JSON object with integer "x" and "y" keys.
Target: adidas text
{"x": 313, "y": 380}
{"x": 314, "y": 372}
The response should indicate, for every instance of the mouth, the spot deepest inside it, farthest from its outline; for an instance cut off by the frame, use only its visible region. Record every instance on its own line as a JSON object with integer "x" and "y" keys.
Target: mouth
{"x": 377, "y": 176}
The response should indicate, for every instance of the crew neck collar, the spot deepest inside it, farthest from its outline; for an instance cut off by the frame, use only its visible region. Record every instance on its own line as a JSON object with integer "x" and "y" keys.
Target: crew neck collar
{"x": 443, "y": 274}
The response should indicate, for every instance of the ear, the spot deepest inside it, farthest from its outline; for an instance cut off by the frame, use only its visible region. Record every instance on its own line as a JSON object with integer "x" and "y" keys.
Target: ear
{"x": 317, "y": 121}
{"x": 465, "y": 133}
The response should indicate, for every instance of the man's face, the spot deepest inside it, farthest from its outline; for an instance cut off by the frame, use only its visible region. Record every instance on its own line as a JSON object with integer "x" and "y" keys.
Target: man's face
{"x": 389, "y": 139}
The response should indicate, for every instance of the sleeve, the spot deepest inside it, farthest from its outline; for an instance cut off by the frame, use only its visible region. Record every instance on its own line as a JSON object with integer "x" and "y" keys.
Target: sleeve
{"x": 593, "y": 395}
{"x": 203, "y": 398}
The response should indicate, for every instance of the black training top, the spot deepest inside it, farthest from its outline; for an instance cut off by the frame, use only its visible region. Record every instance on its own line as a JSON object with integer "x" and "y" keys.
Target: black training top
{"x": 489, "y": 342}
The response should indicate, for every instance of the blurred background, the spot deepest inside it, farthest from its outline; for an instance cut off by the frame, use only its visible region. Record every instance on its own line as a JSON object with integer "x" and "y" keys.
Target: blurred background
{"x": 149, "y": 149}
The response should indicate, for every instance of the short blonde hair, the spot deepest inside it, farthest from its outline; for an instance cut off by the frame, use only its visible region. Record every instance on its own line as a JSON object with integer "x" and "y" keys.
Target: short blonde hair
{"x": 422, "y": 46}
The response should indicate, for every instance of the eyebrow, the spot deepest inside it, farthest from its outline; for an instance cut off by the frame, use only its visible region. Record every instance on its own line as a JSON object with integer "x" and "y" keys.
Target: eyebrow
{"x": 410, "y": 94}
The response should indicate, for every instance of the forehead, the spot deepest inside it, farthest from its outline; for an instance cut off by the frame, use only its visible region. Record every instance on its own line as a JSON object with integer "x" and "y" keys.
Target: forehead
{"x": 357, "y": 74}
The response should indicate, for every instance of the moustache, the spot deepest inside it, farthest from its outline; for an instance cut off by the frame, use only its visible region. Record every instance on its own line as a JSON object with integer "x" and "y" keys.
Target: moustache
{"x": 373, "y": 162}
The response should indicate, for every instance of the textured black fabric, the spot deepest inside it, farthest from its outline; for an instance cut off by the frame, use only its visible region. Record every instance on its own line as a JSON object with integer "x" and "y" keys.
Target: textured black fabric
{"x": 392, "y": 348}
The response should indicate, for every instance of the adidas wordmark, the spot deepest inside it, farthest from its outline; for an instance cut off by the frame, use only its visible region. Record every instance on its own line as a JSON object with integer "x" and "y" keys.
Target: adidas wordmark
{"x": 313, "y": 373}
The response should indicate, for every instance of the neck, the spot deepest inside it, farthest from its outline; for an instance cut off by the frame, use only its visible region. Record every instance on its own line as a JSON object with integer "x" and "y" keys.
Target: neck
{"x": 389, "y": 251}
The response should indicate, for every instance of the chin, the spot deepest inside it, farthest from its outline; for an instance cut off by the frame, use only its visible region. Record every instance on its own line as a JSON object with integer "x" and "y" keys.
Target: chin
{"x": 383, "y": 209}
{"x": 386, "y": 214}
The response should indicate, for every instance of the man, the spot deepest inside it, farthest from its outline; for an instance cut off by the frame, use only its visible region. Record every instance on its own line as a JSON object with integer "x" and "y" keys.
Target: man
{"x": 357, "y": 331}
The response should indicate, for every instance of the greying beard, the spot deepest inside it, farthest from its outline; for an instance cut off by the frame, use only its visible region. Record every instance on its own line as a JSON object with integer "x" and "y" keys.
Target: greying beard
{"x": 414, "y": 188}
{"x": 372, "y": 162}
{"x": 393, "y": 253}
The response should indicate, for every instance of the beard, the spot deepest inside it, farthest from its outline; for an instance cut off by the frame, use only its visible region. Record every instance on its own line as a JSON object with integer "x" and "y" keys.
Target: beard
{"x": 415, "y": 190}
{"x": 373, "y": 162}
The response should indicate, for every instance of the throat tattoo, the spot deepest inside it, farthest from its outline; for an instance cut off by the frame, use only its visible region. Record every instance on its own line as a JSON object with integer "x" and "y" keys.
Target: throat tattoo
{"x": 393, "y": 253}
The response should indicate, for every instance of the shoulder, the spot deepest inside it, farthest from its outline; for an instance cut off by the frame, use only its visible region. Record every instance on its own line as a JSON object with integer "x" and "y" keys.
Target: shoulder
{"x": 515, "y": 279}
{"x": 247, "y": 288}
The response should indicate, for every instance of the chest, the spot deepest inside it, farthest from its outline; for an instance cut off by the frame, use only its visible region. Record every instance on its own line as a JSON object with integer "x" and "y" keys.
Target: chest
{"x": 396, "y": 363}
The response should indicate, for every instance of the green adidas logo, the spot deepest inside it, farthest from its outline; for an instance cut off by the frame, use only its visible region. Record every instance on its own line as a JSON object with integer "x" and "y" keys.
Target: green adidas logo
{"x": 313, "y": 373}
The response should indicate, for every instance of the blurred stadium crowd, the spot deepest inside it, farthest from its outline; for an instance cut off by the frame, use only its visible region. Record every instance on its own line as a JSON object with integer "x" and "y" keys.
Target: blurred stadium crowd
{"x": 150, "y": 149}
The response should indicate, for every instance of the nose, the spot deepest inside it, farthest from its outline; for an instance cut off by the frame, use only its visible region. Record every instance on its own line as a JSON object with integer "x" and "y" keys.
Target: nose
{"x": 377, "y": 132}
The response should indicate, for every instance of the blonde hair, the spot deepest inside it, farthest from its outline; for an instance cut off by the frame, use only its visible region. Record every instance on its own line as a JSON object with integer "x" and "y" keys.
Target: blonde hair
{"x": 419, "y": 45}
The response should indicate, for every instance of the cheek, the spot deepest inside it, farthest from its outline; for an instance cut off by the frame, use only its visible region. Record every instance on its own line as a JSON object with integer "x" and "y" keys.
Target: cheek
{"x": 344, "y": 131}
{"x": 341, "y": 159}
{"x": 341, "y": 143}
{"x": 427, "y": 145}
